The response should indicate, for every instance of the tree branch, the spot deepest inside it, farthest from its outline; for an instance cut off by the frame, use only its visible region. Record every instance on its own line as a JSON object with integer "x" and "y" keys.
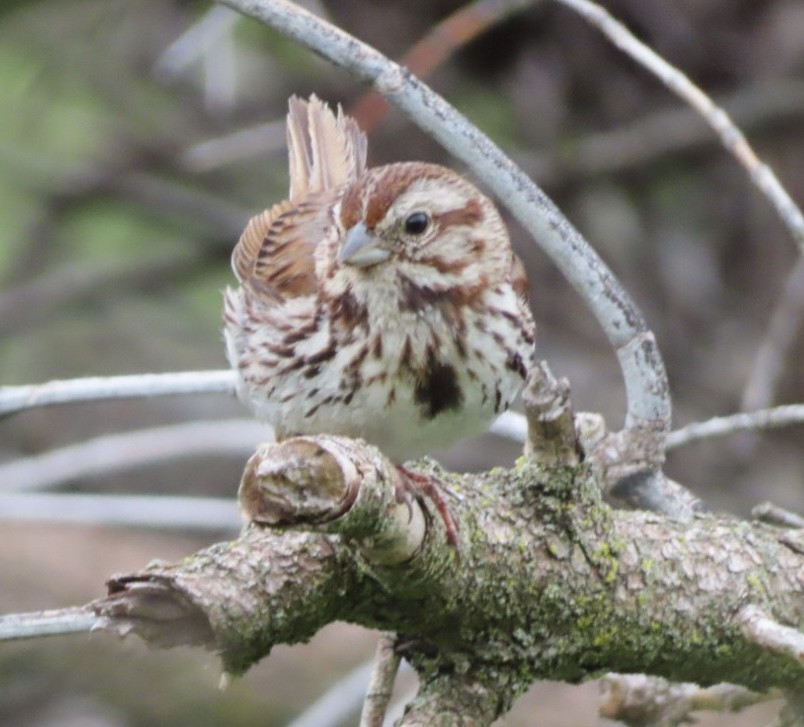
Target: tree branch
{"x": 639, "y": 700}
{"x": 96, "y": 388}
{"x": 381, "y": 683}
{"x": 551, "y": 583}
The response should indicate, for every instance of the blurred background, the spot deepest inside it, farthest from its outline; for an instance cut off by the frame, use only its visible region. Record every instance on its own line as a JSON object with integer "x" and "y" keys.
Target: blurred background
{"x": 136, "y": 139}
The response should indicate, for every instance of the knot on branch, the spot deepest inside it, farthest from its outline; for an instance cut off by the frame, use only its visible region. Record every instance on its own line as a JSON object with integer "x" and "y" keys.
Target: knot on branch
{"x": 344, "y": 485}
{"x": 629, "y": 461}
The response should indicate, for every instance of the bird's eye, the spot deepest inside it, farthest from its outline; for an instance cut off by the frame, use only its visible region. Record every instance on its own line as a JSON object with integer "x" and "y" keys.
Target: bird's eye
{"x": 417, "y": 223}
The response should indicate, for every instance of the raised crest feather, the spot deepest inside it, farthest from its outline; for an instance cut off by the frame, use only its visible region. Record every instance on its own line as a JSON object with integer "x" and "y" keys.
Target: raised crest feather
{"x": 325, "y": 151}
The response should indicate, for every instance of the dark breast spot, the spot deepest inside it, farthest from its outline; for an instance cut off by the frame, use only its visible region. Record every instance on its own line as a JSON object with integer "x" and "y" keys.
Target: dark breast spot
{"x": 437, "y": 389}
{"x": 517, "y": 365}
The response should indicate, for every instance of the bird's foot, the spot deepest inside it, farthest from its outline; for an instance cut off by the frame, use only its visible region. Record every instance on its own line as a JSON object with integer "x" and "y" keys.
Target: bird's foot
{"x": 420, "y": 486}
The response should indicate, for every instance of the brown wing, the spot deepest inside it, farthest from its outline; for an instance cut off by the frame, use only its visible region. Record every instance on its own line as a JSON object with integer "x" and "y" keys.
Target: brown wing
{"x": 519, "y": 278}
{"x": 325, "y": 151}
{"x": 274, "y": 256}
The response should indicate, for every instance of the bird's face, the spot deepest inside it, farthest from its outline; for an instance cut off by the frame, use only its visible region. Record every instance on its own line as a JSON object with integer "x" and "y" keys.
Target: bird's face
{"x": 418, "y": 222}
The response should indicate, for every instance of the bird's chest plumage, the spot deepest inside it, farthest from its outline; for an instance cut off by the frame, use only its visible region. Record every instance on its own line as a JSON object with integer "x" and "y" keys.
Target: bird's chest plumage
{"x": 409, "y": 381}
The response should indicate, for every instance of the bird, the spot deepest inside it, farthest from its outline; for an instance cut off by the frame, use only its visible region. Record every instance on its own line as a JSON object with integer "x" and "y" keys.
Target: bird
{"x": 381, "y": 303}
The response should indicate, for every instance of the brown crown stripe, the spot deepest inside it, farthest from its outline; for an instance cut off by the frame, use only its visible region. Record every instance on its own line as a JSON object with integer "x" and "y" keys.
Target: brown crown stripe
{"x": 469, "y": 215}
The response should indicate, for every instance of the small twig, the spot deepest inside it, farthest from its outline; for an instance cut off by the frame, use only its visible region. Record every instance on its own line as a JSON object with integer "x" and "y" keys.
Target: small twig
{"x": 245, "y": 143}
{"x": 116, "y": 452}
{"x": 768, "y": 633}
{"x": 342, "y": 700}
{"x": 96, "y": 388}
{"x": 778, "y": 416}
{"x": 639, "y": 699}
{"x": 381, "y": 684}
{"x": 194, "y": 43}
{"x": 731, "y": 137}
{"x": 57, "y": 622}
{"x": 772, "y": 514}
{"x": 196, "y": 514}
{"x": 552, "y": 440}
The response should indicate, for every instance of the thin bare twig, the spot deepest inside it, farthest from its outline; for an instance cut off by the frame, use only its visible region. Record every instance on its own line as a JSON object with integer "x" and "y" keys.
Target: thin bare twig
{"x": 242, "y": 144}
{"x": 513, "y": 425}
{"x": 339, "y": 703}
{"x": 116, "y": 452}
{"x": 160, "y": 512}
{"x": 96, "y": 388}
{"x": 56, "y": 622}
{"x": 341, "y": 700}
{"x": 731, "y": 137}
{"x": 778, "y": 416}
{"x": 381, "y": 683}
{"x": 767, "y": 512}
{"x": 640, "y": 699}
{"x": 768, "y": 633}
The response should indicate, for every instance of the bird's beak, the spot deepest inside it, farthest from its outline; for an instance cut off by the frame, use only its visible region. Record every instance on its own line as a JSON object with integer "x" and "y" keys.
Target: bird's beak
{"x": 361, "y": 249}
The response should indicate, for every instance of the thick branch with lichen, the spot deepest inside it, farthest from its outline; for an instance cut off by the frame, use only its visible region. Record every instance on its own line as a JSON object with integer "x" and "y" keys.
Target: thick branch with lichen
{"x": 548, "y": 582}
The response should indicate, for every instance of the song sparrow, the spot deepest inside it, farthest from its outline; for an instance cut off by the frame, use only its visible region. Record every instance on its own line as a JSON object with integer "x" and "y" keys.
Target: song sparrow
{"x": 380, "y": 303}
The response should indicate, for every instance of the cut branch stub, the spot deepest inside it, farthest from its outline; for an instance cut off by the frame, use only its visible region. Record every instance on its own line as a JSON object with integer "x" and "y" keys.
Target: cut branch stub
{"x": 629, "y": 460}
{"x": 341, "y": 483}
{"x": 297, "y": 481}
{"x": 552, "y": 440}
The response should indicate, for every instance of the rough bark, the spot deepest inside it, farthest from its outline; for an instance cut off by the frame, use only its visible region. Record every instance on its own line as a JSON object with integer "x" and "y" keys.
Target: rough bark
{"x": 548, "y": 581}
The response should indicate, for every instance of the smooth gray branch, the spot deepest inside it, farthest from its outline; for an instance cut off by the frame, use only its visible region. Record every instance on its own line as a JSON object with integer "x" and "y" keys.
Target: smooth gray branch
{"x": 779, "y": 416}
{"x": 196, "y": 514}
{"x": 96, "y": 388}
{"x": 55, "y": 622}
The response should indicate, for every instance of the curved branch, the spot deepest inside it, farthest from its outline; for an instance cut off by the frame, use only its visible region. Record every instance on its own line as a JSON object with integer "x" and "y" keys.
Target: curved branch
{"x": 643, "y": 370}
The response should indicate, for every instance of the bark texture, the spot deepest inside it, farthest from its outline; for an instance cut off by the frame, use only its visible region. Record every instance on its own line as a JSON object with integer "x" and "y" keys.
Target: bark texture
{"x": 548, "y": 582}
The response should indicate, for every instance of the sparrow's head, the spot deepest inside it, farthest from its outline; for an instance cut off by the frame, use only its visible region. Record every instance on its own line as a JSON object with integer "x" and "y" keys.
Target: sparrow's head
{"x": 422, "y": 221}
